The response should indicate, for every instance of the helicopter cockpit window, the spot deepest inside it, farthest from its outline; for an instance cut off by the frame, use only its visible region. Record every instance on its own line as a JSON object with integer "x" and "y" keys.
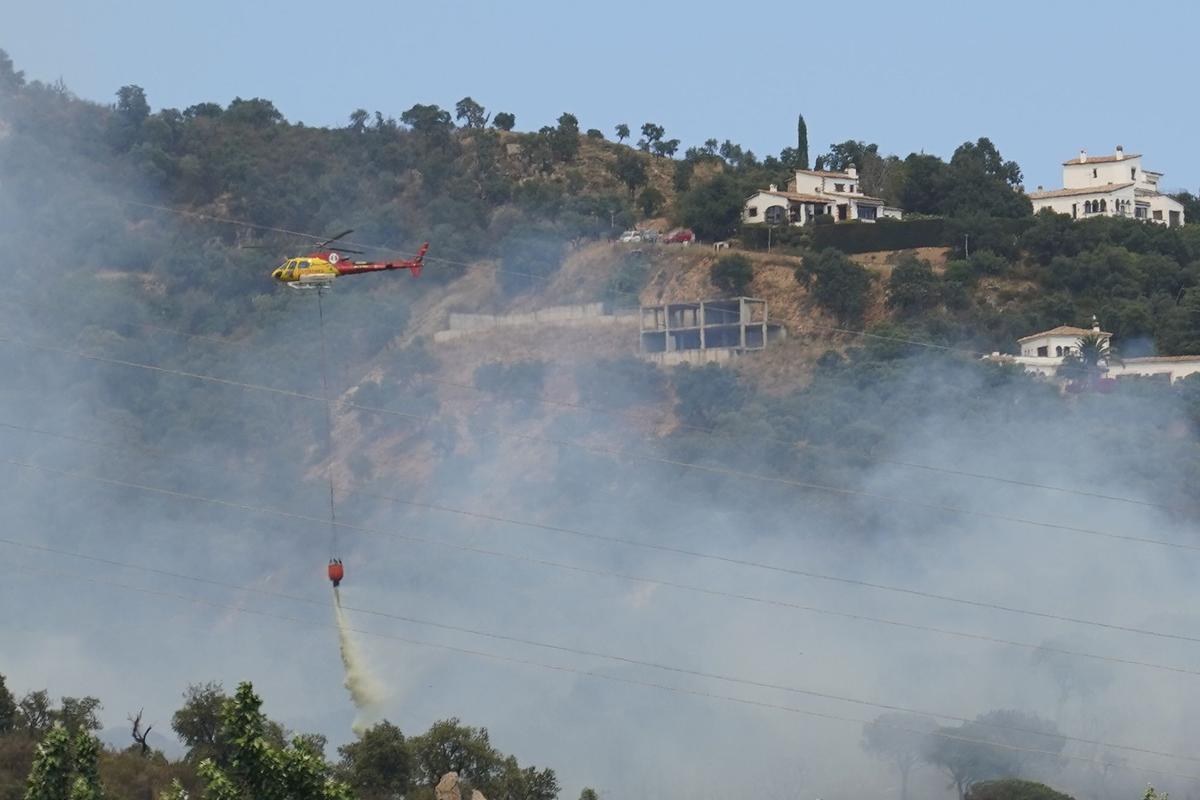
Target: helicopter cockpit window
{"x": 303, "y": 264}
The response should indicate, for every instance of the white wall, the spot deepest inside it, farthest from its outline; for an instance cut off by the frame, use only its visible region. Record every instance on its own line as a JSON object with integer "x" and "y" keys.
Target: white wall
{"x": 1165, "y": 205}
{"x": 1068, "y": 343}
{"x": 1063, "y": 205}
{"x": 1076, "y": 176}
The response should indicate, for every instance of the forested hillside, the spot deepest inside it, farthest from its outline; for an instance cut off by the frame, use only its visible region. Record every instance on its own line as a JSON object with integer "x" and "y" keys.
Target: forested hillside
{"x": 162, "y": 404}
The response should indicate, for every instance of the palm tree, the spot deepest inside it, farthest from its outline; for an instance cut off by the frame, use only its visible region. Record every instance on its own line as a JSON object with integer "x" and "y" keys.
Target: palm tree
{"x": 1089, "y": 360}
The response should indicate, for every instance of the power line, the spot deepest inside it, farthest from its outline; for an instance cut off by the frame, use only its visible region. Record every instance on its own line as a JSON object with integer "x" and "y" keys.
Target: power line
{"x": 589, "y": 653}
{"x": 592, "y": 535}
{"x": 640, "y": 579}
{"x": 630, "y": 681}
{"x": 624, "y": 453}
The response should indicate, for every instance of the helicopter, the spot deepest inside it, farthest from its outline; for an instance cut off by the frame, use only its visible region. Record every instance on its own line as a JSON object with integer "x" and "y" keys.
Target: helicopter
{"x": 318, "y": 269}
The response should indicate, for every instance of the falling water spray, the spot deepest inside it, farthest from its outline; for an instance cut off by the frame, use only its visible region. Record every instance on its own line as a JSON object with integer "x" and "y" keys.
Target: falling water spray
{"x": 365, "y": 691}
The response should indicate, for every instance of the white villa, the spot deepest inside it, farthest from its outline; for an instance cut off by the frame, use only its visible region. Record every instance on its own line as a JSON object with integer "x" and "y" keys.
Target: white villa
{"x": 1043, "y": 353}
{"x": 813, "y": 193}
{"x": 1112, "y": 186}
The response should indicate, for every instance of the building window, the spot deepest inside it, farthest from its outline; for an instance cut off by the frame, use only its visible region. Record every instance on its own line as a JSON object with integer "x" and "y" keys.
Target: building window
{"x": 1087, "y": 206}
{"x": 839, "y": 187}
{"x": 753, "y": 211}
{"x": 1058, "y": 350}
{"x": 1095, "y": 172}
{"x": 1133, "y": 173}
{"x": 1174, "y": 218}
{"x": 867, "y": 212}
{"x": 1158, "y": 214}
{"x": 1043, "y": 351}
{"x": 1104, "y": 205}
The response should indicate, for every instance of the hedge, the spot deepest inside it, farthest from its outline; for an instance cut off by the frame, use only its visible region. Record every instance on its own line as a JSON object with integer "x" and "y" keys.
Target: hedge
{"x": 862, "y": 237}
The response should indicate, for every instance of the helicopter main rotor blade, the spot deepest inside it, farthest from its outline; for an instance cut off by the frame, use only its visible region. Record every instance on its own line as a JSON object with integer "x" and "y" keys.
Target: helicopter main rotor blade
{"x": 333, "y": 239}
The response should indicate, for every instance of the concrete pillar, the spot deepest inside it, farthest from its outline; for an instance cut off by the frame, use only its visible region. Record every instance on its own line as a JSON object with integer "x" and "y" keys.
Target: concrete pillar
{"x": 703, "y": 321}
{"x": 742, "y": 322}
{"x": 667, "y": 346}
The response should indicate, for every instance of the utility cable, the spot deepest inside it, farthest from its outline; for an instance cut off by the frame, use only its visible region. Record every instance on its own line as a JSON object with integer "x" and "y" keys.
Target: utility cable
{"x": 548, "y": 563}
{"x": 625, "y": 453}
{"x": 589, "y": 653}
{"x": 941, "y": 734}
{"x": 662, "y": 548}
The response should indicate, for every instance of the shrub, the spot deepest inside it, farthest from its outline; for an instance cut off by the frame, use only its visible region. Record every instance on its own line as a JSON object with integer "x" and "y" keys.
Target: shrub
{"x": 837, "y": 283}
{"x": 733, "y": 273}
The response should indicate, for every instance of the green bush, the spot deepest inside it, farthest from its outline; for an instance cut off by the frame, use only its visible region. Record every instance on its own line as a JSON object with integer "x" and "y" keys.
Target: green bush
{"x": 837, "y": 283}
{"x": 732, "y": 274}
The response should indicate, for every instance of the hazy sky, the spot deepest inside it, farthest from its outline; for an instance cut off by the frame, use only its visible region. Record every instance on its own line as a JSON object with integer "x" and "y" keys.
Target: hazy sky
{"x": 1042, "y": 79}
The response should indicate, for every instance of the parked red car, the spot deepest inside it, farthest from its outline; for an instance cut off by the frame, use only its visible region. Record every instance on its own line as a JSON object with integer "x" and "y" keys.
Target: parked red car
{"x": 680, "y": 236}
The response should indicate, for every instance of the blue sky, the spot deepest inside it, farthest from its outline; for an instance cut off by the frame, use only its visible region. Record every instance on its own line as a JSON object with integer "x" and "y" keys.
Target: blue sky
{"x": 1042, "y": 79}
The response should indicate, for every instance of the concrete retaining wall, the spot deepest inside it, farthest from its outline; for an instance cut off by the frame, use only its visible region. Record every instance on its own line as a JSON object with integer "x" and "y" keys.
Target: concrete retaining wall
{"x": 586, "y": 314}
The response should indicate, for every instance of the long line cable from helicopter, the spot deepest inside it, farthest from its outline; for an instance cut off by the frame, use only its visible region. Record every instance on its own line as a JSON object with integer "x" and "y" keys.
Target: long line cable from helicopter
{"x": 591, "y": 653}
{"x": 865, "y": 455}
{"x": 639, "y": 579}
{"x": 619, "y": 453}
{"x": 333, "y": 528}
{"x": 937, "y": 733}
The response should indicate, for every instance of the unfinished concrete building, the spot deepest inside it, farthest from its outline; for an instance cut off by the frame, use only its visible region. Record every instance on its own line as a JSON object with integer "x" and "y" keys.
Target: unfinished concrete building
{"x": 709, "y": 330}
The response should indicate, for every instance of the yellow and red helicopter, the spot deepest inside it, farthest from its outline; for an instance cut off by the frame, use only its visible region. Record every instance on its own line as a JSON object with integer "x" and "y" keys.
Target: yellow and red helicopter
{"x": 318, "y": 269}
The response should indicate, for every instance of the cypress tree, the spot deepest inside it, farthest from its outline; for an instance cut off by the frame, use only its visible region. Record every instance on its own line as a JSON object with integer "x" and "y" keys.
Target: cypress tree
{"x": 802, "y": 142}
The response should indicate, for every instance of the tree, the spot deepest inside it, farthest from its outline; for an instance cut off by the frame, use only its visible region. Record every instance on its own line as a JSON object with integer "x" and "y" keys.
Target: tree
{"x": 651, "y": 133}
{"x": 665, "y": 148}
{"x": 1178, "y": 331}
{"x": 622, "y": 131}
{"x": 132, "y": 106}
{"x": 712, "y": 209}
{"x": 450, "y": 746}
{"x": 732, "y": 274}
{"x": 1015, "y": 789}
{"x": 504, "y": 120}
{"x": 706, "y": 393}
{"x": 10, "y": 79}
{"x": 35, "y": 714}
{"x": 260, "y": 770}
{"x": 358, "y": 120}
{"x": 801, "y": 160}
{"x": 379, "y": 766}
{"x": 913, "y": 288}
{"x": 630, "y": 169}
{"x": 564, "y": 139}
{"x": 470, "y": 111}
{"x": 255, "y": 112}
{"x": 78, "y": 714}
{"x": 50, "y": 775}
{"x": 1088, "y": 360}
{"x": 8, "y": 705}
{"x": 900, "y": 739}
{"x": 65, "y": 768}
{"x": 429, "y": 120}
{"x": 998, "y": 744}
{"x": 651, "y": 201}
{"x": 86, "y": 785}
{"x": 588, "y": 793}
{"x": 837, "y": 283}
{"x": 198, "y": 722}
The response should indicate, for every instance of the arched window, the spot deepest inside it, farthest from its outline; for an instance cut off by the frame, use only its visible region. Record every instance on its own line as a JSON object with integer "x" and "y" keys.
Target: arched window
{"x": 1104, "y": 205}
{"x": 1087, "y": 206}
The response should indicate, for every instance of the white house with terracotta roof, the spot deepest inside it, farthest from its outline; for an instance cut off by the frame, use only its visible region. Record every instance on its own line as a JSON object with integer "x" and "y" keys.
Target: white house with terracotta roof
{"x": 813, "y": 193}
{"x": 1043, "y": 353}
{"x": 1110, "y": 186}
